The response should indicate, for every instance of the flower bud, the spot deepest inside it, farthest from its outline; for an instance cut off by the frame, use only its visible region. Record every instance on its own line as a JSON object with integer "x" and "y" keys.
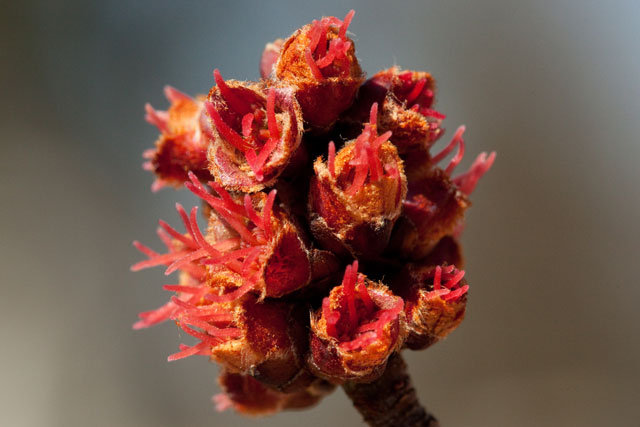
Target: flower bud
{"x": 270, "y": 343}
{"x": 182, "y": 146}
{"x": 266, "y": 339}
{"x": 319, "y": 62}
{"x": 436, "y": 202}
{"x": 433, "y": 208}
{"x": 245, "y": 251}
{"x": 356, "y": 197}
{"x": 358, "y": 327}
{"x": 405, "y": 99}
{"x": 254, "y": 135}
{"x": 275, "y": 257}
{"x": 435, "y": 301}
{"x": 249, "y": 396}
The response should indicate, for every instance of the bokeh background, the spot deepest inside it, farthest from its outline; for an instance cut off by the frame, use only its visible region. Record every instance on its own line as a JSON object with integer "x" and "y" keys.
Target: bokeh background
{"x": 552, "y": 242}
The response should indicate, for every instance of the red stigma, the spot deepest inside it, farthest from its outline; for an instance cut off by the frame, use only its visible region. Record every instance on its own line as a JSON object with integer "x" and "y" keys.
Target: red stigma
{"x": 366, "y": 161}
{"x": 318, "y": 55}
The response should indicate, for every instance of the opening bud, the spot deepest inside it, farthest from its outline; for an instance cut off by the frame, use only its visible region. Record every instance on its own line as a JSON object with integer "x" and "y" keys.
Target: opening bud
{"x": 405, "y": 99}
{"x": 184, "y": 137}
{"x": 435, "y": 301}
{"x": 256, "y": 131}
{"x": 360, "y": 324}
{"x": 319, "y": 61}
{"x": 249, "y": 396}
{"x": 356, "y": 196}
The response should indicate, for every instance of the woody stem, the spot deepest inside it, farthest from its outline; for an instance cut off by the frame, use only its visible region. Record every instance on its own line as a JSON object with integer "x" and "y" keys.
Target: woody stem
{"x": 391, "y": 399}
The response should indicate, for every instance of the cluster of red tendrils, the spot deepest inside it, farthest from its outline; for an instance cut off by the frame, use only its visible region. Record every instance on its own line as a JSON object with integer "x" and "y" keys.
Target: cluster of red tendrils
{"x": 184, "y": 137}
{"x": 310, "y": 272}
{"x": 364, "y": 322}
{"x": 191, "y": 253}
{"x": 318, "y": 55}
{"x": 467, "y": 181}
{"x": 366, "y": 158}
{"x": 260, "y": 132}
{"x": 446, "y": 283}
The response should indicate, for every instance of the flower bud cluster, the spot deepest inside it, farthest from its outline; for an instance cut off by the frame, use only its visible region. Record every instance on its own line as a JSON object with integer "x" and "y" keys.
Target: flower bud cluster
{"x": 329, "y": 233}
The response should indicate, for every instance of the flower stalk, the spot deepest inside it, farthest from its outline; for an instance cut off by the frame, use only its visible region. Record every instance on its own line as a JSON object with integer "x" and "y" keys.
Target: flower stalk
{"x": 390, "y": 400}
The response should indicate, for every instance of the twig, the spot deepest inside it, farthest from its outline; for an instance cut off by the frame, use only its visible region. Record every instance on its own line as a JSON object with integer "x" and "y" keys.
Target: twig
{"x": 390, "y": 401}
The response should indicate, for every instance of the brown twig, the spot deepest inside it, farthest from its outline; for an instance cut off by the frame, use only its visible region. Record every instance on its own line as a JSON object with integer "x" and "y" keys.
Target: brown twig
{"x": 390, "y": 401}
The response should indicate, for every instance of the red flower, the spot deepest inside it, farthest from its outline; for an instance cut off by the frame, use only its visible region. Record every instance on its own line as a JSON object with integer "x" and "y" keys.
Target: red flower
{"x": 405, "y": 99}
{"x": 254, "y": 136}
{"x": 435, "y": 203}
{"x": 356, "y": 197}
{"x": 319, "y": 62}
{"x": 182, "y": 146}
{"x": 250, "y": 397}
{"x": 257, "y": 285}
{"x": 435, "y": 302}
{"x": 358, "y": 327}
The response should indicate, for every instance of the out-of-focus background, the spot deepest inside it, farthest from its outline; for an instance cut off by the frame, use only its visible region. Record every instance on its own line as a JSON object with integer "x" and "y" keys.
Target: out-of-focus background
{"x": 552, "y": 241}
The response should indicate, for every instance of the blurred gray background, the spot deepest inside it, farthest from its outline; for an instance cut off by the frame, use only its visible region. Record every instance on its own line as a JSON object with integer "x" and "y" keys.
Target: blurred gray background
{"x": 552, "y": 242}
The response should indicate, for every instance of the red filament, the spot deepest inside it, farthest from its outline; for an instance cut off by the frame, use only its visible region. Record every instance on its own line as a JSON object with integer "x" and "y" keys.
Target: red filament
{"x": 357, "y": 321}
{"x": 366, "y": 161}
{"x": 467, "y": 181}
{"x": 256, "y": 144}
{"x": 331, "y": 160}
{"x": 450, "y": 290}
{"x": 318, "y": 56}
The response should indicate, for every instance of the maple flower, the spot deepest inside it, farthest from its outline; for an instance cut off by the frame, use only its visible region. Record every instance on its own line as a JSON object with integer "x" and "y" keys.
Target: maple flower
{"x": 328, "y": 235}
{"x": 356, "y": 197}
{"x": 406, "y": 101}
{"x": 254, "y": 136}
{"x": 270, "y": 343}
{"x": 319, "y": 61}
{"x": 265, "y": 245}
{"x": 183, "y": 142}
{"x": 249, "y": 396}
{"x": 435, "y": 301}
{"x": 358, "y": 327}
{"x": 436, "y": 202}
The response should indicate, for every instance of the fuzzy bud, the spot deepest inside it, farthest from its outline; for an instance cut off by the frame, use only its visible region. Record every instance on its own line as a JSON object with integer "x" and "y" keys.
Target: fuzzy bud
{"x": 360, "y": 324}
{"x": 249, "y": 396}
{"x": 405, "y": 99}
{"x": 270, "y": 343}
{"x": 435, "y": 302}
{"x": 256, "y": 132}
{"x": 319, "y": 61}
{"x": 182, "y": 146}
{"x": 356, "y": 197}
{"x": 434, "y": 208}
